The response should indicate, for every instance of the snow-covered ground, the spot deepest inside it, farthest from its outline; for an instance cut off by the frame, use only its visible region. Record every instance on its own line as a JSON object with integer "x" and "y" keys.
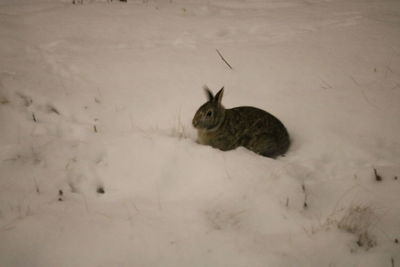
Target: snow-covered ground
{"x": 98, "y": 160}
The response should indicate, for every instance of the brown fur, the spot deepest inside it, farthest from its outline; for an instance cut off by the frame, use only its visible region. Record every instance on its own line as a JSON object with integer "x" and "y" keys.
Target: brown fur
{"x": 250, "y": 127}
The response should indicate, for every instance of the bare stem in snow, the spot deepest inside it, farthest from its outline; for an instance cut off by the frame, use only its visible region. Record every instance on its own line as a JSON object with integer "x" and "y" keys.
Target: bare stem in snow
{"x": 305, "y": 204}
{"x": 378, "y": 178}
{"x": 60, "y": 195}
{"x": 36, "y": 186}
{"x": 224, "y": 60}
{"x": 134, "y": 205}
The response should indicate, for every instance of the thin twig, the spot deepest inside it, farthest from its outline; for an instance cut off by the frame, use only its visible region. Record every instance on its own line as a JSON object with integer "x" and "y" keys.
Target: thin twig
{"x": 363, "y": 93}
{"x": 53, "y": 109}
{"x": 368, "y": 101}
{"x": 36, "y": 186}
{"x": 160, "y": 207}
{"x": 223, "y": 59}
{"x": 327, "y": 85}
{"x": 305, "y": 204}
{"x": 355, "y": 81}
{"x": 134, "y": 205}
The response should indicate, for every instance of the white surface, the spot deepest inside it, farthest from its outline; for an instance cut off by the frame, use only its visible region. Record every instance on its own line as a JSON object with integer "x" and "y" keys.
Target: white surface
{"x": 328, "y": 69}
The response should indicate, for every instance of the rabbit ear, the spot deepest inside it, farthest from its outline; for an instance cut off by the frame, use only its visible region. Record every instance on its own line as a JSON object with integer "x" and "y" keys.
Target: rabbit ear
{"x": 218, "y": 96}
{"x": 209, "y": 94}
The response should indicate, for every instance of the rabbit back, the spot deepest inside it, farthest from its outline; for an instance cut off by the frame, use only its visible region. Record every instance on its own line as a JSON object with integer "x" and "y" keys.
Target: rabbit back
{"x": 250, "y": 127}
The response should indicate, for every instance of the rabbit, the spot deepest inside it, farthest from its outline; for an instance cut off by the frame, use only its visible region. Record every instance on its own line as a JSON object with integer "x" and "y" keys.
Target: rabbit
{"x": 250, "y": 127}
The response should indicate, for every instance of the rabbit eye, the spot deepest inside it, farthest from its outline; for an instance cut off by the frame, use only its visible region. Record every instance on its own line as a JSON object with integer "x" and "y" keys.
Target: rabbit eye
{"x": 209, "y": 113}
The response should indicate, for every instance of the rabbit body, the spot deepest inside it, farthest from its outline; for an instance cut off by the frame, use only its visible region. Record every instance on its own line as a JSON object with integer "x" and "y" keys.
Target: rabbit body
{"x": 250, "y": 127}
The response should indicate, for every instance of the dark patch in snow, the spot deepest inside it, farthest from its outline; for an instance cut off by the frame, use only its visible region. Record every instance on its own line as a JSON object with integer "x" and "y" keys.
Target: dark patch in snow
{"x": 60, "y": 195}
{"x": 4, "y": 101}
{"x": 34, "y": 117}
{"x": 378, "y": 178}
{"x": 366, "y": 241}
{"x": 358, "y": 221}
{"x": 100, "y": 190}
{"x": 52, "y": 109}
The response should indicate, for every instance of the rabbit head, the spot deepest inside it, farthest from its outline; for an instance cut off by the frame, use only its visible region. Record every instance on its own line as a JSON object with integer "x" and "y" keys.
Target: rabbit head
{"x": 211, "y": 114}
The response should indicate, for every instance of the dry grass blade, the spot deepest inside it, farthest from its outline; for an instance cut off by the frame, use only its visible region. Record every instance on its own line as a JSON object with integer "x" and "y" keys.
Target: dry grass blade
{"x": 224, "y": 60}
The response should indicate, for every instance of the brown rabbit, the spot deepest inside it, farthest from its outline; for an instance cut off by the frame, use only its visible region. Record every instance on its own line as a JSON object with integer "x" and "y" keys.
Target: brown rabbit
{"x": 250, "y": 127}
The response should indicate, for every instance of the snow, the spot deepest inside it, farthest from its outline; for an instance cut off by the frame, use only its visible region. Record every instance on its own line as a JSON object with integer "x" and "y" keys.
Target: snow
{"x": 101, "y": 96}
